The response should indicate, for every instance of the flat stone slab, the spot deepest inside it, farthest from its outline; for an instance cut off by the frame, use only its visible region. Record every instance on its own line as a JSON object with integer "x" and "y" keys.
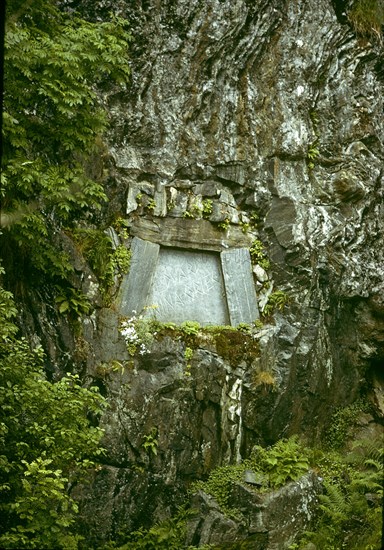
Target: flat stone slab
{"x": 136, "y": 286}
{"x": 239, "y": 286}
{"x": 189, "y": 286}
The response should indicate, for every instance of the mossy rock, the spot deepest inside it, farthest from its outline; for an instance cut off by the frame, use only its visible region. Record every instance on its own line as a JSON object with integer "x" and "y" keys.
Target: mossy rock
{"x": 235, "y": 346}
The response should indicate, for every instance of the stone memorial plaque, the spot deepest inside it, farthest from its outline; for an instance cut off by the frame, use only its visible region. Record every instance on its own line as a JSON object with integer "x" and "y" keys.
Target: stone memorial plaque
{"x": 209, "y": 287}
{"x": 189, "y": 286}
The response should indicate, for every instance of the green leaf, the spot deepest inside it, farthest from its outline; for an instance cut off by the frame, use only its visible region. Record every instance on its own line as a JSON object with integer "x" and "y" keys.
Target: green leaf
{"x": 64, "y": 306}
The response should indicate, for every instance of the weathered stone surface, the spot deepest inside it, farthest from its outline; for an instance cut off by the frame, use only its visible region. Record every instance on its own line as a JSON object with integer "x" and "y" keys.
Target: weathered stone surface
{"x": 185, "y": 233}
{"x": 260, "y": 273}
{"x": 282, "y": 218}
{"x": 136, "y": 286}
{"x": 196, "y": 414}
{"x": 133, "y": 192}
{"x": 113, "y": 236}
{"x": 241, "y": 294}
{"x": 234, "y": 173}
{"x": 160, "y": 198}
{"x": 178, "y": 203}
{"x": 211, "y": 526}
{"x": 222, "y": 212}
{"x": 270, "y": 520}
{"x": 189, "y": 285}
{"x": 208, "y": 188}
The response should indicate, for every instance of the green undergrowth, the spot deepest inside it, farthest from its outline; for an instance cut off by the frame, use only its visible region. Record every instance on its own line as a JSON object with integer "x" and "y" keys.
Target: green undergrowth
{"x": 166, "y": 535}
{"x": 276, "y": 301}
{"x": 49, "y": 441}
{"x": 343, "y": 420}
{"x": 259, "y": 255}
{"x": 349, "y": 511}
{"x": 52, "y": 166}
{"x": 273, "y": 467}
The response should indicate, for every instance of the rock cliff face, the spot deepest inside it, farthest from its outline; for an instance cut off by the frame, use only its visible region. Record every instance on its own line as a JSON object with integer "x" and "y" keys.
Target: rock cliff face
{"x": 252, "y": 120}
{"x": 236, "y": 98}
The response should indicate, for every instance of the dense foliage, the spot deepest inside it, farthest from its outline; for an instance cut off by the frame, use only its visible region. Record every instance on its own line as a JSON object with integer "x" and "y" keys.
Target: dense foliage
{"x": 47, "y": 441}
{"x": 51, "y": 174}
{"x": 53, "y": 122}
{"x": 350, "y": 512}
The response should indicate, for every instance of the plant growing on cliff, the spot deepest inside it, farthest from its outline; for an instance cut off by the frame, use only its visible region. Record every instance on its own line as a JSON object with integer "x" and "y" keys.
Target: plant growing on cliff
{"x": 151, "y": 205}
{"x": 342, "y": 421}
{"x": 151, "y": 442}
{"x": 264, "y": 379}
{"x": 367, "y": 18}
{"x": 258, "y": 254}
{"x": 47, "y": 440}
{"x": 285, "y": 461}
{"x": 349, "y": 510}
{"x": 139, "y": 333}
{"x": 190, "y": 327}
{"x": 188, "y": 354}
{"x": 207, "y": 207}
{"x": 72, "y": 302}
{"x": 167, "y": 535}
{"x": 312, "y": 155}
{"x": 224, "y": 224}
{"x": 105, "y": 261}
{"x": 277, "y": 300}
{"x": 51, "y": 171}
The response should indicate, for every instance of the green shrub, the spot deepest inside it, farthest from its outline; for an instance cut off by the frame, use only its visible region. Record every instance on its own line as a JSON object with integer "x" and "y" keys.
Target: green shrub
{"x": 52, "y": 163}
{"x": 191, "y": 328}
{"x": 139, "y": 333}
{"x": 151, "y": 442}
{"x": 312, "y": 155}
{"x": 285, "y": 461}
{"x": 47, "y": 441}
{"x": 342, "y": 421}
{"x": 345, "y": 517}
{"x": 167, "y": 535}
{"x": 219, "y": 485}
{"x": 72, "y": 302}
{"x": 207, "y": 207}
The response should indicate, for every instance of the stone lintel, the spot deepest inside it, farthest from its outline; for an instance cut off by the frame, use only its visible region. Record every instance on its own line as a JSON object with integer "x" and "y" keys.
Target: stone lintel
{"x": 189, "y": 234}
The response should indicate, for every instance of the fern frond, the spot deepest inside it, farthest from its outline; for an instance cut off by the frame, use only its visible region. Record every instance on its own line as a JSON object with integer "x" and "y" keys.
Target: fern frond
{"x": 363, "y": 450}
{"x": 334, "y": 503}
{"x": 368, "y": 481}
{"x": 377, "y": 464}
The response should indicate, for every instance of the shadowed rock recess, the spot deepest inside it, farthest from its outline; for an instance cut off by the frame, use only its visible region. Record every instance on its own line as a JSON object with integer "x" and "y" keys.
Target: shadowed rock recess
{"x": 244, "y": 120}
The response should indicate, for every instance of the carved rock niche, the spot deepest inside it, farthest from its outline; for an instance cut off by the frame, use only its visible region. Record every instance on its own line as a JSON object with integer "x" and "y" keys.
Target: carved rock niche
{"x": 212, "y": 286}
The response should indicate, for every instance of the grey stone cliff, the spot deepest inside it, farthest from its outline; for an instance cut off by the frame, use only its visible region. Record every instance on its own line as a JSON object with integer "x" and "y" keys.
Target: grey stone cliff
{"x": 273, "y": 112}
